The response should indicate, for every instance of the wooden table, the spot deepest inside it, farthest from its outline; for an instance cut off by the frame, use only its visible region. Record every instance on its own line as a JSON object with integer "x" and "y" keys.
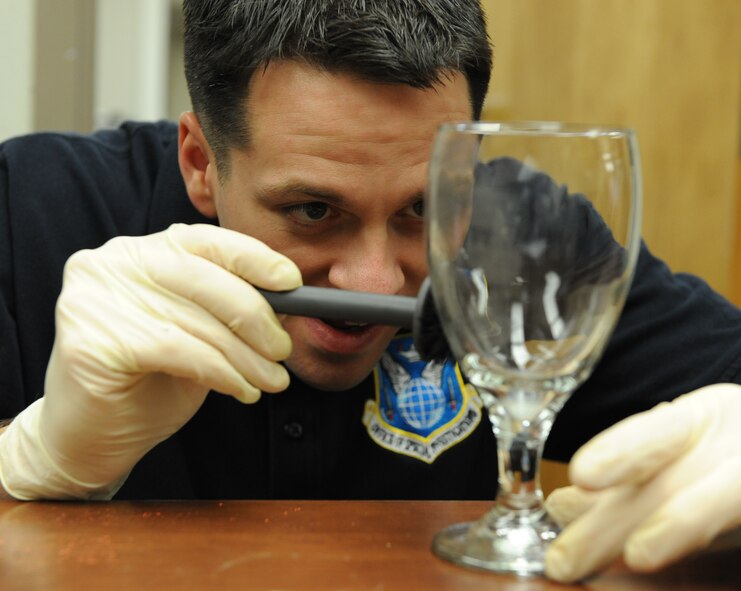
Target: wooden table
{"x": 279, "y": 545}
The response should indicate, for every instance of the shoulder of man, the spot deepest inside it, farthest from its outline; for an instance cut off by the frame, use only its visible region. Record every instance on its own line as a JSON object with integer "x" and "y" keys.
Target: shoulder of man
{"x": 60, "y": 193}
{"x": 112, "y": 181}
{"x": 42, "y": 156}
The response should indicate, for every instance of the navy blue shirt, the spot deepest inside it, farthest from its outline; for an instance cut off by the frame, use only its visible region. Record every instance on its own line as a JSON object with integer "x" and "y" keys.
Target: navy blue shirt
{"x": 60, "y": 193}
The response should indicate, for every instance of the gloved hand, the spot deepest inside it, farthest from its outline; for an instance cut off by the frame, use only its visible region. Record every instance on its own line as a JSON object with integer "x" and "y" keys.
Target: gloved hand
{"x": 654, "y": 487}
{"x": 145, "y": 327}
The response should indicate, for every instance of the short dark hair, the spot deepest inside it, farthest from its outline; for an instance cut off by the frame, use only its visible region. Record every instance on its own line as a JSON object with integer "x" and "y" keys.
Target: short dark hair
{"x": 414, "y": 42}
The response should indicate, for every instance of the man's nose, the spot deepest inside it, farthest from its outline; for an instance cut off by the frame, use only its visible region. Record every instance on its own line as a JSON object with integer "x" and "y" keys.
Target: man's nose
{"x": 369, "y": 262}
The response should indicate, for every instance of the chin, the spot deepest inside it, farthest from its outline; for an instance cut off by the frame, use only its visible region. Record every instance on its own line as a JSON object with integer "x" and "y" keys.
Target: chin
{"x": 330, "y": 377}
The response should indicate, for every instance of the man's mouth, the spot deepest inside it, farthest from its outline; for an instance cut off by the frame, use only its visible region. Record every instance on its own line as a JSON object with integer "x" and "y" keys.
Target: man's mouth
{"x": 348, "y": 325}
{"x": 342, "y": 336}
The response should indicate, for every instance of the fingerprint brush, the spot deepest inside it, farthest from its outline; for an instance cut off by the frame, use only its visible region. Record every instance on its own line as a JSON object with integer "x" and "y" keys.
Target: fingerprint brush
{"x": 418, "y": 314}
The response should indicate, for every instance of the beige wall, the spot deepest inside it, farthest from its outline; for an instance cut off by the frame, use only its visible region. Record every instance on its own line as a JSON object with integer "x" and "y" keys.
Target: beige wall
{"x": 671, "y": 69}
{"x": 17, "y": 55}
{"x": 46, "y": 59}
{"x": 132, "y": 60}
{"x": 73, "y": 65}
{"x": 736, "y": 274}
{"x": 63, "y": 68}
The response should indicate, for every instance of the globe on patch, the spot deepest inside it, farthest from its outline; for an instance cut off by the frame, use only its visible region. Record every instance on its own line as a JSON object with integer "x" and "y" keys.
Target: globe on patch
{"x": 422, "y": 404}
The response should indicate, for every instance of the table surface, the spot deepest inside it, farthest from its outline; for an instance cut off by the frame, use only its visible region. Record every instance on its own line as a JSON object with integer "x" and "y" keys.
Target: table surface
{"x": 279, "y": 545}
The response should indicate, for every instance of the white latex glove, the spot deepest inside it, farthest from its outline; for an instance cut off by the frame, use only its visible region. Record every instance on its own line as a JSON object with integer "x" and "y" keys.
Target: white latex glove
{"x": 654, "y": 487}
{"x": 145, "y": 327}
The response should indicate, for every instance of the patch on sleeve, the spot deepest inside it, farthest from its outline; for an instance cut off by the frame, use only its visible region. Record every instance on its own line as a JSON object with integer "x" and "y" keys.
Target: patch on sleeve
{"x": 421, "y": 408}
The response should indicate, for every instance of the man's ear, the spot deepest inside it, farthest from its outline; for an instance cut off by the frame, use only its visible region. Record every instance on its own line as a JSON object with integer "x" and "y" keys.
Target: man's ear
{"x": 197, "y": 164}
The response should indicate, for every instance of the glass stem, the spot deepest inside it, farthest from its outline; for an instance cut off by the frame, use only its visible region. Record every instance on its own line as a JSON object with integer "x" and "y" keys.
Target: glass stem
{"x": 520, "y": 444}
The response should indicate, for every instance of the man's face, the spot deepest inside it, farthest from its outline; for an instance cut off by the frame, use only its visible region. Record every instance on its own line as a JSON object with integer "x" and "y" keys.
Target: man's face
{"x": 334, "y": 179}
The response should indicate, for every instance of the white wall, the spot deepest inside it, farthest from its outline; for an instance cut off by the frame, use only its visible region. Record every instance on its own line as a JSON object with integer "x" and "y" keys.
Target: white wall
{"x": 137, "y": 65}
{"x": 17, "y": 54}
{"x": 132, "y": 41}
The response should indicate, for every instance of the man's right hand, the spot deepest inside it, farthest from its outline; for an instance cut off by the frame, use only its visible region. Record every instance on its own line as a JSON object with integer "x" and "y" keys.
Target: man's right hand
{"x": 145, "y": 327}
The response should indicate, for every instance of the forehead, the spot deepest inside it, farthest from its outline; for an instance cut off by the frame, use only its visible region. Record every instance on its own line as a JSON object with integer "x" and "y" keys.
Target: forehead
{"x": 297, "y": 106}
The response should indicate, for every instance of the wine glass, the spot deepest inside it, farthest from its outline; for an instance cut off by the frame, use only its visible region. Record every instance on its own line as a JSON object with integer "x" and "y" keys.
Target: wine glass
{"x": 532, "y": 239}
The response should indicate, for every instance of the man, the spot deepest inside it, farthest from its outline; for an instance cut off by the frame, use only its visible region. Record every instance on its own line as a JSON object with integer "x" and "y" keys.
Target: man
{"x": 308, "y": 145}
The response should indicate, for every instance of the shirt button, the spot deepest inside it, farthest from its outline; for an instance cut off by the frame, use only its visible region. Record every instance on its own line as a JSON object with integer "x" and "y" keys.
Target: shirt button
{"x": 293, "y": 430}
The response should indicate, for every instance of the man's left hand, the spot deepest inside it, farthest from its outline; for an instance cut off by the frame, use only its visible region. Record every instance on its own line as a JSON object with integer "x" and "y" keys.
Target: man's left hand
{"x": 653, "y": 488}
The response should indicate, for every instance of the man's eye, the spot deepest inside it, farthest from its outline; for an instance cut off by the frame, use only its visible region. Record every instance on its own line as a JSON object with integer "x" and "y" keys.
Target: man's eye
{"x": 314, "y": 211}
{"x": 419, "y": 208}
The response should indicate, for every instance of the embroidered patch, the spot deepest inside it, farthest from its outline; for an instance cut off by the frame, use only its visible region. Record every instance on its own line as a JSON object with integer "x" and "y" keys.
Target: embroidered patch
{"x": 421, "y": 408}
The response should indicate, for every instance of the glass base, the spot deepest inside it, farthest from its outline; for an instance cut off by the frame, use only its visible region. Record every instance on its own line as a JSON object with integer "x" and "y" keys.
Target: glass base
{"x": 502, "y": 542}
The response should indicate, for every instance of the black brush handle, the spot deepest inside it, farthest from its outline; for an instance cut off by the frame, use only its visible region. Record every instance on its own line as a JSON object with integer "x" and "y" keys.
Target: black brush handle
{"x": 341, "y": 304}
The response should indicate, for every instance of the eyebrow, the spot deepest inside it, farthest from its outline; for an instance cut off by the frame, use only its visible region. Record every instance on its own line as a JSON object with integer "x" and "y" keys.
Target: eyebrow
{"x": 268, "y": 193}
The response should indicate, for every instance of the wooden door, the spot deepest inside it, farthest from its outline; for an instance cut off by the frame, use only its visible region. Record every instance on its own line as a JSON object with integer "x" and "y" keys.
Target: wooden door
{"x": 671, "y": 69}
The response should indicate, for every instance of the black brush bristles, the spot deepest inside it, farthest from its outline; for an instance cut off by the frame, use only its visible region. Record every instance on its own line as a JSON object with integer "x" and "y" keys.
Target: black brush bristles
{"x": 427, "y": 331}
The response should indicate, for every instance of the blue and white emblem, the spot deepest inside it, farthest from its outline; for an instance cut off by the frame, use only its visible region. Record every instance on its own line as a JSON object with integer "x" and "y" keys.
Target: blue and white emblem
{"x": 421, "y": 408}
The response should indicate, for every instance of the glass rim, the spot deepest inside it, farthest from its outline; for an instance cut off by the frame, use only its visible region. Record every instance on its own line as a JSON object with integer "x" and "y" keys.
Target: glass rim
{"x": 492, "y": 127}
